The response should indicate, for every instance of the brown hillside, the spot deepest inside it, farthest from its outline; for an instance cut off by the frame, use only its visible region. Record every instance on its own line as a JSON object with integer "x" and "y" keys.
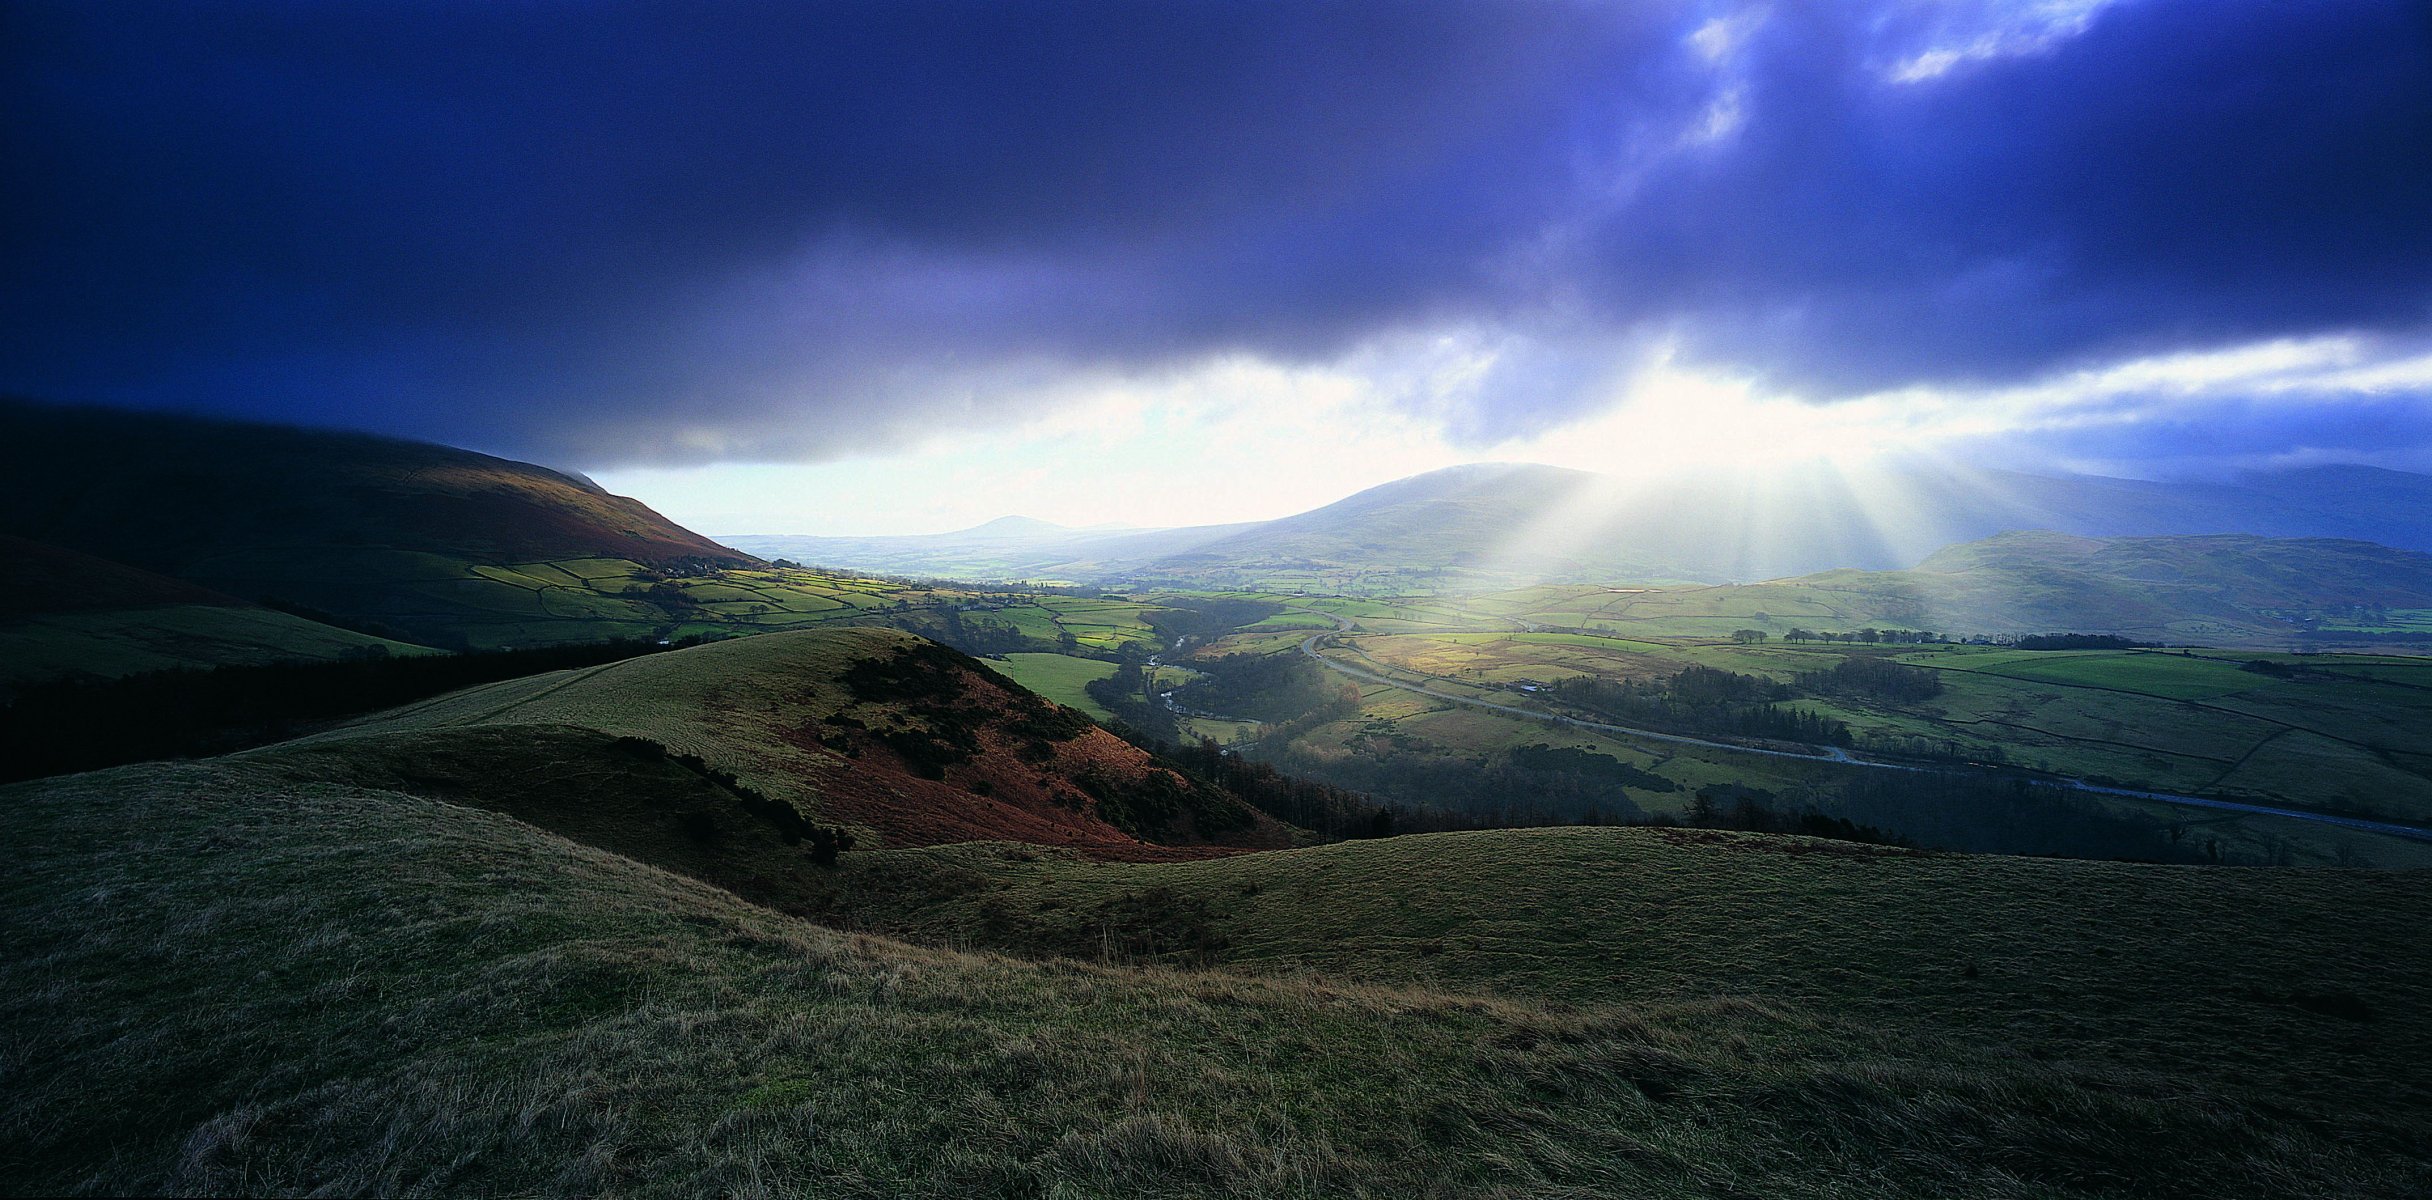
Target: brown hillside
{"x": 907, "y": 741}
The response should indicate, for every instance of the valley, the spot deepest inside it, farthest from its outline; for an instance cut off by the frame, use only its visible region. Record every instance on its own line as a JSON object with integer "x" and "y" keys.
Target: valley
{"x": 574, "y": 863}
{"x": 496, "y": 904}
{"x": 1465, "y": 600}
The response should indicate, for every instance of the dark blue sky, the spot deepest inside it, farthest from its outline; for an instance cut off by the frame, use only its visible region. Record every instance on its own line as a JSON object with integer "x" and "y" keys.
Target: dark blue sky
{"x": 604, "y": 233}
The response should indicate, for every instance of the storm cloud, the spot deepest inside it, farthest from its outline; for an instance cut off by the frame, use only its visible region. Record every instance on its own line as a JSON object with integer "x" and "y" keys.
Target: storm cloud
{"x": 617, "y": 233}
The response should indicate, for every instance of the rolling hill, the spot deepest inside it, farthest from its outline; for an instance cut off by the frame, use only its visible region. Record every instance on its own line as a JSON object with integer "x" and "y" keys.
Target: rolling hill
{"x": 537, "y": 937}
{"x": 1504, "y": 523}
{"x": 1008, "y": 548}
{"x": 377, "y": 533}
{"x": 70, "y": 615}
{"x": 900, "y": 739}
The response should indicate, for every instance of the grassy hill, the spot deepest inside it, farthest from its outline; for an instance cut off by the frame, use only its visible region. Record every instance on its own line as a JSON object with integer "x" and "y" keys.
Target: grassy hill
{"x": 900, "y": 739}
{"x": 549, "y": 935}
{"x": 138, "y": 542}
{"x": 67, "y": 615}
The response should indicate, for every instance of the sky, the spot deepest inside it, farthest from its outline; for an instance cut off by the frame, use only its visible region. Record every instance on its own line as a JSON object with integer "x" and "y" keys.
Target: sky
{"x": 907, "y": 266}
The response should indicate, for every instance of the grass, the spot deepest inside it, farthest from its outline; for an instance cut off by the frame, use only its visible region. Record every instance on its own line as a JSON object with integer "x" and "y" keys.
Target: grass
{"x": 113, "y": 642}
{"x": 1062, "y": 678}
{"x": 226, "y": 976}
{"x": 2192, "y": 970}
{"x": 2348, "y": 734}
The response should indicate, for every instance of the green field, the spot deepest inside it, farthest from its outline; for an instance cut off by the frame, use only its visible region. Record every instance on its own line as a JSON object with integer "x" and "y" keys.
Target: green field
{"x": 1059, "y": 677}
{"x": 2339, "y": 734}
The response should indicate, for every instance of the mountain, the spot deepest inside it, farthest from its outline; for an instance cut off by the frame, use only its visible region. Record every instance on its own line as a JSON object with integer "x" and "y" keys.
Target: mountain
{"x": 550, "y": 936}
{"x": 1502, "y": 524}
{"x": 379, "y": 533}
{"x": 1029, "y": 551}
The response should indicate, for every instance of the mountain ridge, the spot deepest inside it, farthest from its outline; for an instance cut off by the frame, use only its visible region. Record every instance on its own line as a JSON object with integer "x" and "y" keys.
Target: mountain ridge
{"x": 1515, "y": 522}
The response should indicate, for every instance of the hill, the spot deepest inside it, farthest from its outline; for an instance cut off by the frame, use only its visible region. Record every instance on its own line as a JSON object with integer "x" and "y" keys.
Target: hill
{"x": 901, "y": 740}
{"x": 1499, "y": 524}
{"x": 1030, "y": 552}
{"x": 66, "y": 615}
{"x": 372, "y": 531}
{"x": 468, "y": 947}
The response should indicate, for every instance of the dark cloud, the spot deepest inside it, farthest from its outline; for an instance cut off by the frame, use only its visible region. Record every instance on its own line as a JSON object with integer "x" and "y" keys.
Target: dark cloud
{"x": 623, "y": 232}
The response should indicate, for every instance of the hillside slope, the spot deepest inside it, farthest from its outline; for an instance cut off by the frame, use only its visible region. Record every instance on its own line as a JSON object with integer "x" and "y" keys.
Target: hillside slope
{"x": 1494, "y": 524}
{"x": 904, "y": 740}
{"x": 368, "y": 985}
{"x": 346, "y": 523}
{"x": 70, "y": 615}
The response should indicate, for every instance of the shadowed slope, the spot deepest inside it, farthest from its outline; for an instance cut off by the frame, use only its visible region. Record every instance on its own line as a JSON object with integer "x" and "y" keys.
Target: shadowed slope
{"x": 66, "y": 615}
{"x": 345, "y": 523}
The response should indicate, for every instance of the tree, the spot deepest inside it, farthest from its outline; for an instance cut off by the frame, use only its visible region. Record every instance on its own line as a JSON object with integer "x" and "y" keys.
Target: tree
{"x": 1747, "y": 636}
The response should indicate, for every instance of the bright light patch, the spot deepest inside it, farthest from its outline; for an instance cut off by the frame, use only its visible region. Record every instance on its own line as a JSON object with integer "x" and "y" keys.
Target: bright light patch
{"x": 1240, "y": 439}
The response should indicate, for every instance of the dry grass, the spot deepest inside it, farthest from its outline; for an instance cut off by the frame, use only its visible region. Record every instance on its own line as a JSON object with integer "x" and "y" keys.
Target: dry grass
{"x": 224, "y": 979}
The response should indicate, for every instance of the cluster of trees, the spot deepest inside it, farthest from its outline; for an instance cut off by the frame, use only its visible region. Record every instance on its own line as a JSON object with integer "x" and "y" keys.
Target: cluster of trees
{"x": 1869, "y": 636}
{"x": 1989, "y": 813}
{"x": 2077, "y": 641}
{"x": 1702, "y": 700}
{"x": 1755, "y": 810}
{"x": 1270, "y": 688}
{"x": 1874, "y": 679}
{"x": 1429, "y": 791}
{"x": 1319, "y": 807}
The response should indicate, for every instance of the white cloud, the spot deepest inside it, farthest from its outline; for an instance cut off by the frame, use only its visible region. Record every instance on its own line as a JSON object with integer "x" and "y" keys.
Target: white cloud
{"x": 1237, "y": 438}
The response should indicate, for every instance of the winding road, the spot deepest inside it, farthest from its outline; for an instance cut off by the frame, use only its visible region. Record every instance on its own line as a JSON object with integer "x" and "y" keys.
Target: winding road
{"x": 1312, "y": 644}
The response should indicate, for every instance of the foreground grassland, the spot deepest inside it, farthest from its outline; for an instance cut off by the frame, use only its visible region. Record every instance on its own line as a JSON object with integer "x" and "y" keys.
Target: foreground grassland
{"x": 233, "y": 976}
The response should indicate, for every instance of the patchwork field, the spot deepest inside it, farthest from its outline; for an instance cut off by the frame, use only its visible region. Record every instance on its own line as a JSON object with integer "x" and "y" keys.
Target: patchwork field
{"x": 2340, "y": 734}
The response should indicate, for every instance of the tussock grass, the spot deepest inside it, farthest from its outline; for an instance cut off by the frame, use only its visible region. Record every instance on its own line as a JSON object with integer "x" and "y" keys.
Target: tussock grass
{"x": 223, "y": 978}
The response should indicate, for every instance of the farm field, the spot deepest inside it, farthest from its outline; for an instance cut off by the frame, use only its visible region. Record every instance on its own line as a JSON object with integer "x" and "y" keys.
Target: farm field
{"x": 2339, "y": 734}
{"x": 2159, "y": 720}
{"x": 1062, "y": 678}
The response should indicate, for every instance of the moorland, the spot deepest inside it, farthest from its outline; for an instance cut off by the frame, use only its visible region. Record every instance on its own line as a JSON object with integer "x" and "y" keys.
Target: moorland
{"x": 440, "y": 823}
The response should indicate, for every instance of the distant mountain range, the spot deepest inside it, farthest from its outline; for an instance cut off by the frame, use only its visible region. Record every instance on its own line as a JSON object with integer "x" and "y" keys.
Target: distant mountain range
{"x": 137, "y": 542}
{"x": 1504, "y": 523}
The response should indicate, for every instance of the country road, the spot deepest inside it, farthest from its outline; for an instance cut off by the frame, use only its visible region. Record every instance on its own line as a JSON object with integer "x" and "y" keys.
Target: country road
{"x": 1830, "y": 754}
